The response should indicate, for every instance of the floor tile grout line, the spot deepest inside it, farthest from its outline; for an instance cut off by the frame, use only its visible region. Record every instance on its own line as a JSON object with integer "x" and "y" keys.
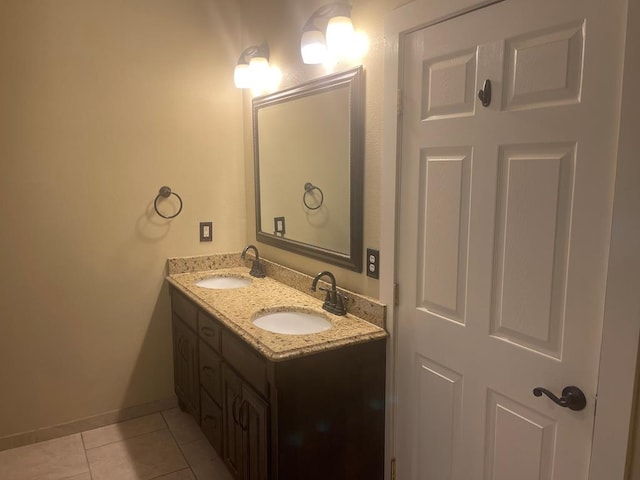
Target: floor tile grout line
{"x": 178, "y": 444}
{"x": 172, "y": 432}
{"x": 174, "y": 471}
{"x": 181, "y": 445}
{"x": 86, "y": 457}
{"x": 164, "y": 419}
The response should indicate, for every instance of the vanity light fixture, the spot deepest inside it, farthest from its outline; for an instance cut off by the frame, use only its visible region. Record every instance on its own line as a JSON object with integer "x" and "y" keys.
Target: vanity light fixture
{"x": 253, "y": 67}
{"x": 329, "y": 35}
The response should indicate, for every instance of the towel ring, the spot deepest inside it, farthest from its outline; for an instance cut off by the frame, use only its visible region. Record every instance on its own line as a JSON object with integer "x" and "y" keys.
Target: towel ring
{"x": 165, "y": 192}
{"x": 308, "y": 188}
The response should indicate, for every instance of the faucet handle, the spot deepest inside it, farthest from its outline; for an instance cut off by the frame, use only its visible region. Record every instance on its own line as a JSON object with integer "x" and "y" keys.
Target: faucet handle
{"x": 257, "y": 269}
{"x": 328, "y": 298}
{"x": 334, "y": 302}
{"x": 341, "y": 301}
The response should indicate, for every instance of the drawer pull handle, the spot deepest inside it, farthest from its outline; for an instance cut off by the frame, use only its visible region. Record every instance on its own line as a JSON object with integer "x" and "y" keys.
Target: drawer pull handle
{"x": 233, "y": 408}
{"x": 209, "y": 371}
{"x": 209, "y": 332}
{"x": 183, "y": 348}
{"x": 243, "y": 417}
{"x": 210, "y": 418}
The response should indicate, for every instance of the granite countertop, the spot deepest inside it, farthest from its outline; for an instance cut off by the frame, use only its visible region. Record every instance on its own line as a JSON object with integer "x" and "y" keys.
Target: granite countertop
{"x": 236, "y": 308}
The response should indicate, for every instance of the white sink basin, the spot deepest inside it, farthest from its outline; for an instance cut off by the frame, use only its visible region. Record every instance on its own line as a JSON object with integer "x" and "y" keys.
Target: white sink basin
{"x": 292, "y": 323}
{"x": 221, "y": 283}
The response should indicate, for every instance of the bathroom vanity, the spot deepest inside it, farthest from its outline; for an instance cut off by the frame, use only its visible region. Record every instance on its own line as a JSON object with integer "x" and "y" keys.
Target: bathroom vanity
{"x": 274, "y": 406}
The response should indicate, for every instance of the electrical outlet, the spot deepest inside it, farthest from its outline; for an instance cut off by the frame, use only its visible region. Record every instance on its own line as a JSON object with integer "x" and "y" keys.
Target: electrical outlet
{"x": 206, "y": 231}
{"x": 373, "y": 263}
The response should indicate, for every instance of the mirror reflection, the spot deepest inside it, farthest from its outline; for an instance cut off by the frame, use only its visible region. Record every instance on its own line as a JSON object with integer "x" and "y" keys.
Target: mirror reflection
{"x": 308, "y": 167}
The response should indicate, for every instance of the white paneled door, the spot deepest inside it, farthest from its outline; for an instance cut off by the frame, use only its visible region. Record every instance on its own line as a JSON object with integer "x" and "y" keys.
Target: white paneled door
{"x": 505, "y": 212}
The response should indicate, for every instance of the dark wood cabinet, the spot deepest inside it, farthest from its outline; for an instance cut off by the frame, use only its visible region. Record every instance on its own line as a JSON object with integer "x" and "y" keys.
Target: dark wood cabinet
{"x": 211, "y": 421}
{"x": 185, "y": 367}
{"x": 232, "y": 433}
{"x": 311, "y": 417}
{"x": 245, "y": 428}
{"x": 253, "y": 419}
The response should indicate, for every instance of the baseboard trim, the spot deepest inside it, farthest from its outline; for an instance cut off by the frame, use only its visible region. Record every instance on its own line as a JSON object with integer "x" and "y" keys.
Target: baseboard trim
{"x": 88, "y": 423}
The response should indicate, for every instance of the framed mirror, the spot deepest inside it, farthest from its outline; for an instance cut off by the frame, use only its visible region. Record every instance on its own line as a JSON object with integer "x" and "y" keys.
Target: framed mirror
{"x": 308, "y": 153}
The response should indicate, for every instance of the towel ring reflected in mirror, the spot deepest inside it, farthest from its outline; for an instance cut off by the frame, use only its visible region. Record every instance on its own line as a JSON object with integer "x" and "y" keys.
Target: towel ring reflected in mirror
{"x": 309, "y": 189}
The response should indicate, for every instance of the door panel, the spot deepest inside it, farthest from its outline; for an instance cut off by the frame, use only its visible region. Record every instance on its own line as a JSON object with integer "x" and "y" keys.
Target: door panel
{"x": 440, "y": 395}
{"x": 504, "y": 221}
{"x": 535, "y": 184}
{"x": 450, "y": 85}
{"x": 544, "y": 68}
{"x": 531, "y": 457}
{"x": 444, "y": 207}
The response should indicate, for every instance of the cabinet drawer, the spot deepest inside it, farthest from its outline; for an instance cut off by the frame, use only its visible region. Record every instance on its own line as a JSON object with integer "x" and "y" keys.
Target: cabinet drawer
{"x": 245, "y": 361}
{"x": 209, "y": 330}
{"x": 210, "y": 372}
{"x": 184, "y": 308}
{"x": 211, "y": 421}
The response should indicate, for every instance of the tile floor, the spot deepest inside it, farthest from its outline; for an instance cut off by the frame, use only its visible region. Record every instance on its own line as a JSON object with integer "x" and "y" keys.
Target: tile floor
{"x": 162, "y": 446}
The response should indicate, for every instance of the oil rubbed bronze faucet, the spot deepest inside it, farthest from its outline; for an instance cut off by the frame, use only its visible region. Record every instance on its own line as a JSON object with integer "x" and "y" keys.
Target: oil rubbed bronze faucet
{"x": 257, "y": 269}
{"x": 334, "y": 301}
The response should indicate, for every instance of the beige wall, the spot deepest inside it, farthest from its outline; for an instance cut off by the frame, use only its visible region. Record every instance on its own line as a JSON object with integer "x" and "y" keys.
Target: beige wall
{"x": 279, "y": 22}
{"x": 101, "y": 103}
{"x": 633, "y": 455}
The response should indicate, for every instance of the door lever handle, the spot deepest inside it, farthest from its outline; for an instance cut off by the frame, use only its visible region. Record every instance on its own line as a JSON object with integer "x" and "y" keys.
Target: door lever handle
{"x": 572, "y": 397}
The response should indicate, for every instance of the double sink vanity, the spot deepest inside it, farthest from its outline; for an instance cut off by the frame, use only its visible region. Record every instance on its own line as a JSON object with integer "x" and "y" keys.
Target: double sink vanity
{"x": 282, "y": 388}
{"x": 288, "y": 383}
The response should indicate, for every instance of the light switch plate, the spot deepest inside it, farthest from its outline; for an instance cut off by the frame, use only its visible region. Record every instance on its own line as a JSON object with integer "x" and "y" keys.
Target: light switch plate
{"x": 279, "y": 226}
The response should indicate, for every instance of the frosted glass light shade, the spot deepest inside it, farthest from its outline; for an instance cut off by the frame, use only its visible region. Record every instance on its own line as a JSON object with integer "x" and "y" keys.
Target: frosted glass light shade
{"x": 313, "y": 47}
{"x": 242, "y": 76}
{"x": 259, "y": 67}
{"x": 339, "y": 34}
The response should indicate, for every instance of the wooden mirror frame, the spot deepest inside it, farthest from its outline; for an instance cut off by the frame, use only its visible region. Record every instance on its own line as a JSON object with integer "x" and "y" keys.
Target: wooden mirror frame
{"x": 354, "y": 78}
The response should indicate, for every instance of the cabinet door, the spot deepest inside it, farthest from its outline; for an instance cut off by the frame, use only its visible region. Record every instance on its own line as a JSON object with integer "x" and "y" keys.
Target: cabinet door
{"x": 232, "y": 432}
{"x": 211, "y": 421}
{"x": 185, "y": 367}
{"x": 254, "y": 423}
